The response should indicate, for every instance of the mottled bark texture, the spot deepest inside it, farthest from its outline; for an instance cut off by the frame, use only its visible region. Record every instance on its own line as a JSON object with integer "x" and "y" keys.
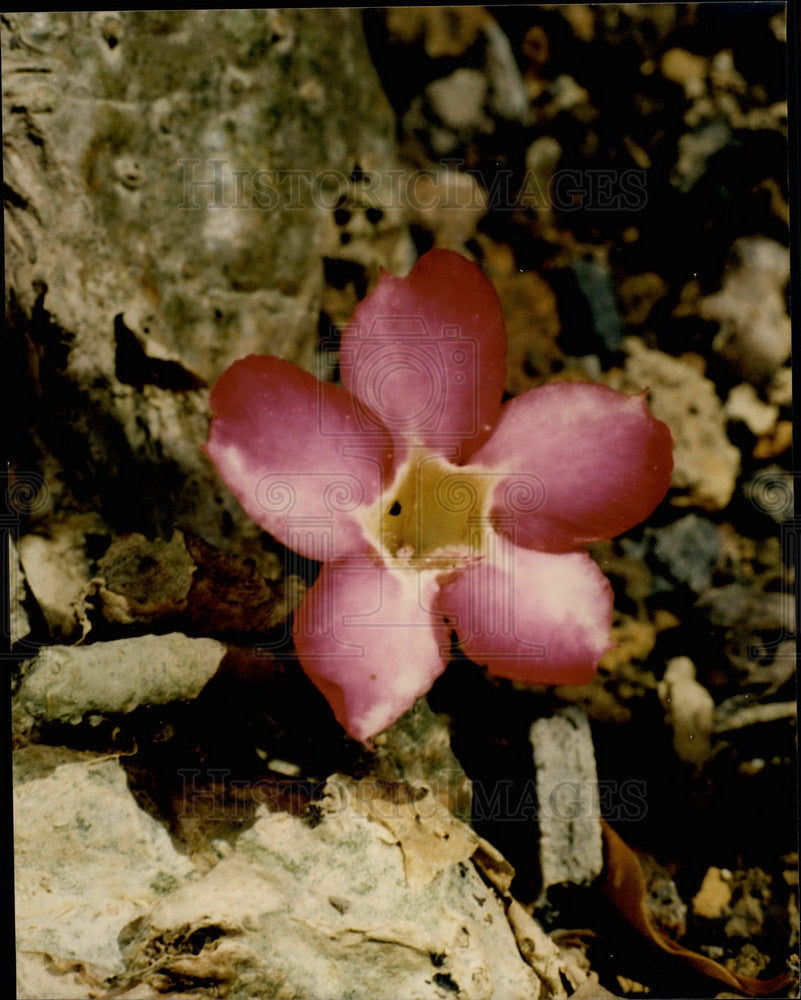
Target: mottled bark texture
{"x": 170, "y": 184}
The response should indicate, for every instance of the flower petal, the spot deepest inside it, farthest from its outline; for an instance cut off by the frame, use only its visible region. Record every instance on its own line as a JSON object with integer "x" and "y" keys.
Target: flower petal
{"x": 292, "y": 451}
{"x": 534, "y": 617}
{"x": 367, "y": 637}
{"x": 426, "y": 354}
{"x": 578, "y": 463}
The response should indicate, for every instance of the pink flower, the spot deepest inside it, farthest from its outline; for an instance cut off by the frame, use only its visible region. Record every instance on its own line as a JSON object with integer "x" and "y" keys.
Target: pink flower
{"x": 433, "y": 506}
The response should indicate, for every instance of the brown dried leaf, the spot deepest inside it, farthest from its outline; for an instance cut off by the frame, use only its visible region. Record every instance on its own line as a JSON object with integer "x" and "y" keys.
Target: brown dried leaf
{"x": 145, "y": 580}
{"x": 627, "y": 888}
{"x": 231, "y": 593}
{"x": 430, "y": 838}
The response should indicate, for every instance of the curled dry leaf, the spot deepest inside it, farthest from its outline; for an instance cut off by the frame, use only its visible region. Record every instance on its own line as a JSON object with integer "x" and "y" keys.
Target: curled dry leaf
{"x": 430, "y": 838}
{"x": 626, "y": 887}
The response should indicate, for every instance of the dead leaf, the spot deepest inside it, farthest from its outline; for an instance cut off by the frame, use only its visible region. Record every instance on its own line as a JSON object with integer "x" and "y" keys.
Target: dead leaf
{"x": 626, "y": 887}
{"x": 430, "y": 838}
{"x": 145, "y": 580}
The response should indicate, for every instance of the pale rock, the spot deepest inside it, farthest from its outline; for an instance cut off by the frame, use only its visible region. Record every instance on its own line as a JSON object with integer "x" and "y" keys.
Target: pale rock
{"x": 88, "y": 861}
{"x": 706, "y": 462}
{"x": 690, "y": 710}
{"x": 58, "y": 570}
{"x": 508, "y": 94}
{"x": 687, "y": 69}
{"x": 751, "y": 308}
{"x": 567, "y": 792}
{"x": 744, "y": 404}
{"x": 65, "y": 683}
{"x": 542, "y": 157}
{"x": 459, "y": 99}
{"x": 449, "y": 204}
{"x": 780, "y": 388}
{"x": 714, "y": 895}
{"x": 327, "y": 912}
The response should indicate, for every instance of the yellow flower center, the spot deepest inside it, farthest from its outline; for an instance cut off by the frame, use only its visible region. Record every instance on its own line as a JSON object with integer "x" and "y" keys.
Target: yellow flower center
{"x": 434, "y": 514}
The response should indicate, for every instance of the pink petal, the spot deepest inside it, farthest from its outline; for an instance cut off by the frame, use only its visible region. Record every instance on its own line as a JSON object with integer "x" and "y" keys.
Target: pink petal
{"x": 367, "y": 637}
{"x": 291, "y": 450}
{"x": 533, "y": 617}
{"x": 584, "y": 463}
{"x": 426, "y": 354}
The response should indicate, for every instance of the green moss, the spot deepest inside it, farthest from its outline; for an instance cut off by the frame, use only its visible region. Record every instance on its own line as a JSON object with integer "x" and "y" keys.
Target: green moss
{"x": 164, "y": 883}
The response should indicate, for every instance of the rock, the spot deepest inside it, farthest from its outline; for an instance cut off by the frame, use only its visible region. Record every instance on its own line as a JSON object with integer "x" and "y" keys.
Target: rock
{"x": 542, "y": 157}
{"x": 752, "y": 896}
{"x": 58, "y": 569}
{"x": 532, "y": 324}
{"x": 567, "y": 789}
{"x": 458, "y": 100}
{"x": 565, "y": 95}
{"x": 690, "y": 711}
{"x": 171, "y": 204}
{"x": 595, "y": 283}
{"x": 695, "y": 149}
{"x": 745, "y": 607}
{"x": 65, "y": 683}
{"x": 706, "y": 462}
{"x": 775, "y": 443}
{"x": 713, "y": 898}
{"x": 88, "y": 861}
{"x": 294, "y": 920}
{"x": 686, "y": 68}
{"x": 19, "y": 626}
{"x": 689, "y": 548}
{"x": 508, "y": 96}
{"x": 780, "y": 388}
{"x": 449, "y": 204}
{"x": 638, "y": 295}
{"x": 416, "y": 752}
{"x": 743, "y": 404}
{"x": 751, "y": 308}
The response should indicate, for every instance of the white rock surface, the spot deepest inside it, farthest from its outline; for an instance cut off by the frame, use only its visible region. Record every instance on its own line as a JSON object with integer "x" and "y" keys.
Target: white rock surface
{"x": 88, "y": 861}
{"x": 328, "y": 912}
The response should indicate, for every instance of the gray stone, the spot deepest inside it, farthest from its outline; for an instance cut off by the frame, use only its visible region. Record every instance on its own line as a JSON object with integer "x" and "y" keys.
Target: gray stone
{"x": 567, "y": 792}
{"x": 595, "y": 282}
{"x": 65, "y": 683}
{"x": 689, "y": 549}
